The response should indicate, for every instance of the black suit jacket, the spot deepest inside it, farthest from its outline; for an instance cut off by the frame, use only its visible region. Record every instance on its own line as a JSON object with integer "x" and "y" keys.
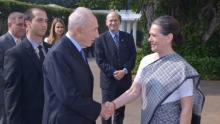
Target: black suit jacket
{"x": 24, "y": 97}
{"x": 110, "y": 59}
{"x": 68, "y": 86}
{"x": 6, "y": 42}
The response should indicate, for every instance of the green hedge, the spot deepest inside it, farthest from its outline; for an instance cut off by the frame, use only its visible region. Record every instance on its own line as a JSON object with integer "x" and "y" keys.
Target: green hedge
{"x": 52, "y": 11}
{"x": 101, "y": 21}
{"x": 8, "y": 6}
{"x": 208, "y": 67}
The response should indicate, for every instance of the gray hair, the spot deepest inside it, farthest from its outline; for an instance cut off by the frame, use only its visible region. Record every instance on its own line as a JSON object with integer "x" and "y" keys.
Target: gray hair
{"x": 13, "y": 16}
{"x": 80, "y": 16}
{"x": 168, "y": 25}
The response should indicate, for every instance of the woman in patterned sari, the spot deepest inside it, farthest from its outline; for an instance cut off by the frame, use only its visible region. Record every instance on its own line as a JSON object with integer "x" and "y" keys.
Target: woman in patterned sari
{"x": 169, "y": 86}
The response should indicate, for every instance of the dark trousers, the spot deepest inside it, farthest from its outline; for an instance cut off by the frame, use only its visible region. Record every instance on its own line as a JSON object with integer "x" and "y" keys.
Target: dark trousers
{"x": 110, "y": 95}
{"x": 2, "y": 108}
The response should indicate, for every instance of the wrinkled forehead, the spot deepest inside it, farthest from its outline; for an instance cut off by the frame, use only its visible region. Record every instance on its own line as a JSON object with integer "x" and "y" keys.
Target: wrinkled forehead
{"x": 17, "y": 18}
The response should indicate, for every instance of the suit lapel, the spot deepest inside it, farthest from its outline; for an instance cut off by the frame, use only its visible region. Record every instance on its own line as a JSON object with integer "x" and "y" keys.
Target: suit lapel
{"x": 71, "y": 49}
{"x": 74, "y": 51}
{"x": 46, "y": 46}
{"x": 121, "y": 38}
{"x": 10, "y": 40}
{"x": 31, "y": 54}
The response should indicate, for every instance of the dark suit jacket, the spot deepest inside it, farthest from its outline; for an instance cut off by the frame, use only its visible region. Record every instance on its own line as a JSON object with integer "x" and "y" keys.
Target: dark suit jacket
{"x": 24, "y": 97}
{"x": 6, "y": 42}
{"x": 110, "y": 59}
{"x": 68, "y": 87}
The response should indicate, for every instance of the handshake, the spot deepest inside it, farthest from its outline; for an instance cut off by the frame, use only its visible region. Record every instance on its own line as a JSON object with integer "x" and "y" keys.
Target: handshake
{"x": 108, "y": 108}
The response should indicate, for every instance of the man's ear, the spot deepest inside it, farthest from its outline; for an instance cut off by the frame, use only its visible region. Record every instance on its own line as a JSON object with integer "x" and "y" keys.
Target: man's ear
{"x": 78, "y": 29}
{"x": 9, "y": 24}
{"x": 27, "y": 22}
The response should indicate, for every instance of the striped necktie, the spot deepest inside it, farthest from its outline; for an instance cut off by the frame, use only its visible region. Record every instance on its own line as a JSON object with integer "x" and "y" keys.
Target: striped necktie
{"x": 116, "y": 39}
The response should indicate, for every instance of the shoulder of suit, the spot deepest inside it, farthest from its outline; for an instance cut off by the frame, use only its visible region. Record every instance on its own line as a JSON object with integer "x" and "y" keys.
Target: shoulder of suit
{"x": 3, "y": 37}
{"x": 104, "y": 34}
{"x": 125, "y": 34}
{"x": 16, "y": 50}
{"x": 101, "y": 36}
{"x": 47, "y": 44}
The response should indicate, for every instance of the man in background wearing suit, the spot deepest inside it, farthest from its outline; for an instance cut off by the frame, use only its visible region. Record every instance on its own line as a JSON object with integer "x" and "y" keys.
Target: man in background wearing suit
{"x": 24, "y": 97}
{"x": 115, "y": 55}
{"x": 68, "y": 80}
{"x": 16, "y": 30}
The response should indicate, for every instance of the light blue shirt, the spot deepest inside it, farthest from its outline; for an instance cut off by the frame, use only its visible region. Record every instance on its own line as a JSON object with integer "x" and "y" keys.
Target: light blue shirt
{"x": 113, "y": 35}
{"x": 75, "y": 43}
{"x": 35, "y": 44}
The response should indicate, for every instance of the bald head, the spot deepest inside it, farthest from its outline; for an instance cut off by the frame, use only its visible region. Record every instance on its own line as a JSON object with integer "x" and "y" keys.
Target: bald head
{"x": 80, "y": 17}
{"x": 113, "y": 13}
{"x": 83, "y": 26}
{"x": 15, "y": 16}
{"x": 16, "y": 24}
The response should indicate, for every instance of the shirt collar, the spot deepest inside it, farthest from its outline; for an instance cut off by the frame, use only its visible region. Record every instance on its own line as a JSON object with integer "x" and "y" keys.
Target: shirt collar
{"x": 75, "y": 43}
{"x": 34, "y": 44}
{"x": 114, "y": 33}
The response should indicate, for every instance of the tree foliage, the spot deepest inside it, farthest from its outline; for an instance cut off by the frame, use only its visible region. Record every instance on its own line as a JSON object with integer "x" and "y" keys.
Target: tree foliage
{"x": 200, "y": 19}
{"x": 103, "y": 4}
{"x": 204, "y": 14}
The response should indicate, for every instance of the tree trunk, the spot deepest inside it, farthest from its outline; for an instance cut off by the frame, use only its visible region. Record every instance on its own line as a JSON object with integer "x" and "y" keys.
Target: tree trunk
{"x": 149, "y": 11}
{"x": 213, "y": 25}
{"x": 215, "y": 21}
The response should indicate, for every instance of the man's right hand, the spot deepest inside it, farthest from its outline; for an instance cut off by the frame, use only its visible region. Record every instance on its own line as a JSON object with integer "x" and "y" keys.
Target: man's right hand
{"x": 107, "y": 110}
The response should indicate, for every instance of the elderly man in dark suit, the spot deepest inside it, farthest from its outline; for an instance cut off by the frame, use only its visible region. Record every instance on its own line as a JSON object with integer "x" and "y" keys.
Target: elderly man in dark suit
{"x": 16, "y": 31}
{"x": 115, "y": 55}
{"x": 24, "y": 97}
{"x": 68, "y": 80}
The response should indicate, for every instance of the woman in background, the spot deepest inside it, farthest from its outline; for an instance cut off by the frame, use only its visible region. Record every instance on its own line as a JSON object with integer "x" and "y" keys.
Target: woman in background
{"x": 56, "y": 31}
